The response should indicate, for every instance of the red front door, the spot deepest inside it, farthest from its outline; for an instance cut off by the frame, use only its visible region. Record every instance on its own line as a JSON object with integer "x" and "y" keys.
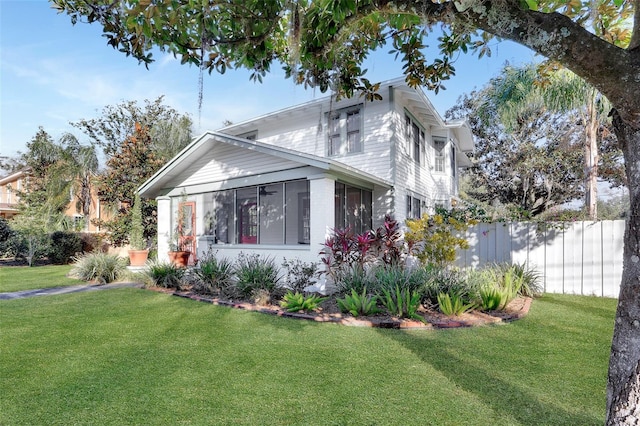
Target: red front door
{"x": 248, "y": 223}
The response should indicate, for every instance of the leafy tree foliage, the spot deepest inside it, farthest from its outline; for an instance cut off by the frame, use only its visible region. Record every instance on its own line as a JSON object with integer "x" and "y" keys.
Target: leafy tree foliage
{"x": 519, "y": 90}
{"x": 170, "y": 131}
{"x": 47, "y": 188}
{"x": 528, "y": 168}
{"x": 133, "y": 163}
{"x": 323, "y": 43}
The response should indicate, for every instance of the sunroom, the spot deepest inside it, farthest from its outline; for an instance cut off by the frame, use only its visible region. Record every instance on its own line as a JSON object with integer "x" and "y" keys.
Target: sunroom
{"x": 245, "y": 196}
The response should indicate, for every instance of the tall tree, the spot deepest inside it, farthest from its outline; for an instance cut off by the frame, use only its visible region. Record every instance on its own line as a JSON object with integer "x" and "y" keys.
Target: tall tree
{"x": 520, "y": 89}
{"x": 133, "y": 163}
{"x": 324, "y": 43}
{"x": 171, "y": 130}
{"x": 527, "y": 168}
{"x": 47, "y": 188}
{"x": 82, "y": 166}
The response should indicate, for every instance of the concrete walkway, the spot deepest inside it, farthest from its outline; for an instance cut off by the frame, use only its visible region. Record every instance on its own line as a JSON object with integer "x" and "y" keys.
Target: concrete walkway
{"x": 64, "y": 290}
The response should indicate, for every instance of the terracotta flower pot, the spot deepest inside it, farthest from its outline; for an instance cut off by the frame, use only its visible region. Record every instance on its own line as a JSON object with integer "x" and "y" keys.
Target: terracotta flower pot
{"x": 179, "y": 258}
{"x": 138, "y": 257}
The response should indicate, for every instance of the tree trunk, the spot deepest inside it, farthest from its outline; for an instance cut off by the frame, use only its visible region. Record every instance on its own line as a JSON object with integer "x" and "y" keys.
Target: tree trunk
{"x": 623, "y": 387}
{"x": 591, "y": 157}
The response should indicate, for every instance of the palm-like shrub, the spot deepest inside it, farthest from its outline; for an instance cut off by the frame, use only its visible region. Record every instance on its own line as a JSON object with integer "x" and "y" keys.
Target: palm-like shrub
{"x": 165, "y": 274}
{"x": 255, "y": 273}
{"x": 99, "y": 267}
{"x": 296, "y": 302}
{"x": 359, "y": 303}
{"x": 213, "y": 275}
{"x": 452, "y": 304}
{"x": 402, "y": 302}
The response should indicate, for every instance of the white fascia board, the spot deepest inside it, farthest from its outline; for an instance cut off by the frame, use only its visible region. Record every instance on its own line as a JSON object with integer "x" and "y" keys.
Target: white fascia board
{"x": 463, "y": 133}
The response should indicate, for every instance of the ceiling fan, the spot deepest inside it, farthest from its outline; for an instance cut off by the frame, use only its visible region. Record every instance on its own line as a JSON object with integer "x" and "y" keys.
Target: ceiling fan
{"x": 263, "y": 191}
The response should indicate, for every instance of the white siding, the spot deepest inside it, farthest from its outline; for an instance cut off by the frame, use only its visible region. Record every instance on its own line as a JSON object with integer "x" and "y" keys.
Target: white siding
{"x": 224, "y": 162}
{"x": 305, "y": 130}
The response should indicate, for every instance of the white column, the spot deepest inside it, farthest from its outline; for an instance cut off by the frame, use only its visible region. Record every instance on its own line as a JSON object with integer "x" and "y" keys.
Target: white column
{"x": 164, "y": 228}
{"x": 322, "y": 204}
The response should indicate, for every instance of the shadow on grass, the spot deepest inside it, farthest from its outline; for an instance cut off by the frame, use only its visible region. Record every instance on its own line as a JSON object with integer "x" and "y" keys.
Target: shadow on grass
{"x": 589, "y": 309}
{"x": 507, "y": 398}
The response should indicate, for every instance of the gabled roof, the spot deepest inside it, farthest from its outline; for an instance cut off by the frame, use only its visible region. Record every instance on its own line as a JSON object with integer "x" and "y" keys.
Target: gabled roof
{"x": 199, "y": 146}
{"x": 415, "y": 96}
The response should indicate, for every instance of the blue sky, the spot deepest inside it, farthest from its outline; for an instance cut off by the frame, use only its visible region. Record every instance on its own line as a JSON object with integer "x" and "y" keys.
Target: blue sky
{"x": 53, "y": 73}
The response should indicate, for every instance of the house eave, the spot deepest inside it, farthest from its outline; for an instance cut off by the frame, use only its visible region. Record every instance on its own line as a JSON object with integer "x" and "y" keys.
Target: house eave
{"x": 153, "y": 186}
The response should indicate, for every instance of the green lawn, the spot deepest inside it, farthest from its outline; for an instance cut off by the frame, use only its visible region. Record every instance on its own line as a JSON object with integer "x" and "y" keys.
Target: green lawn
{"x": 18, "y": 278}
{"x": 132, "y": 356}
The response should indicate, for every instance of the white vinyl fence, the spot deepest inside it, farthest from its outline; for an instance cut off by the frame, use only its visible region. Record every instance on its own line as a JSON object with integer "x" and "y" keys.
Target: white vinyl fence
{"x": 575, "y": 258}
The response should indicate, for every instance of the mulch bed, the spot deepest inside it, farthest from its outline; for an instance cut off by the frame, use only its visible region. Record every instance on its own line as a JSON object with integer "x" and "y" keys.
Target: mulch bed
{"x": 329, "y": 312}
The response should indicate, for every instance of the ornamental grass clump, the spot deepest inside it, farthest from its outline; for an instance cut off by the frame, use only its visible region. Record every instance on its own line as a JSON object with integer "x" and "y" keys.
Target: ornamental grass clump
{"x": 100, "y": 267}
{"x": 213, "y": 275}
{"x": 254, "y": 273}
{"x": 165, "y": 274}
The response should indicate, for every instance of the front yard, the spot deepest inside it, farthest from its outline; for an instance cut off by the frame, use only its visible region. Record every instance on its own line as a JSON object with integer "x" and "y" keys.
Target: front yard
{"x": 132, "y": 356}
{"x": 19, "y": 278}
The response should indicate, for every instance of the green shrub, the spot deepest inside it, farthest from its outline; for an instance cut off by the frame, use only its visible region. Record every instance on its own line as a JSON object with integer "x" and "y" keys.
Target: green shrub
{"x": 165, "y": 274}
{"x": 351, "y": 278}
{"x": 256, "y": 273}
{"x": 434, "y": 239}
{"x": 491, "y": 298}
{"x": 213, "y": 275}
{"x": 100, "y": 267}
{"x": 136, "y": 231}
{"x": 530, "y": 285}
{"x": 296, "y": 302}
{"x": 93, "y": 242}
{"x": 402, "y": 302}
{"x": 299, "y": 274}
{"x": 452, "y": 304}
{"x": 64, "y": 245}
{"x": 390, "y": 276}
{"x": 359, "y": 304}
{"x": 439, "y": 280}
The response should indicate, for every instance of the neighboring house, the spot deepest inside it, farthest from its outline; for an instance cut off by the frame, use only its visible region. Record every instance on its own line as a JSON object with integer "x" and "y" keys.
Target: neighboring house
{"x": 11, "y": 185}
{"x": 276, "y": 185}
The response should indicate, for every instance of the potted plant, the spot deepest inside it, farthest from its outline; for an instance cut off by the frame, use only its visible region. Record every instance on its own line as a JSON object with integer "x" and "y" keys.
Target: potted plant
{"x": 178, "y": 252}
{"x": 138, "y": 253}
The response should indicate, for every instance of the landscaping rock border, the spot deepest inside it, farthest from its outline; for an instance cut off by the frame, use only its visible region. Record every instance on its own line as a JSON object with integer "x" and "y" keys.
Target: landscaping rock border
{"x": 517, "y": 309}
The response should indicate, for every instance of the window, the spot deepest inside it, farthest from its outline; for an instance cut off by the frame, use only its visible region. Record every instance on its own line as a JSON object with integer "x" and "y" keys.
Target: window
{"x": 453, "y": 160}
{"x": 297, "y": 212}
{"x": 277, "y": 213}
{"x": 345, "y": 132}
{"x": 438, "y": 159}
{"x": 414, "y": 210}
{"x": 353, "y": 208}
{"x": 415, "y": 138}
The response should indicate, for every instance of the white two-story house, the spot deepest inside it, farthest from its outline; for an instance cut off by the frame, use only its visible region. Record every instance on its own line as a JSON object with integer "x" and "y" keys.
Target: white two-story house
{"x": 279, "y": 183}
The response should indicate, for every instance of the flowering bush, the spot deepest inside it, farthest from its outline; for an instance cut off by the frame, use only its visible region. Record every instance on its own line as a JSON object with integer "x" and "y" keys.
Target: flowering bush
{"x": 434, "y": 239}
